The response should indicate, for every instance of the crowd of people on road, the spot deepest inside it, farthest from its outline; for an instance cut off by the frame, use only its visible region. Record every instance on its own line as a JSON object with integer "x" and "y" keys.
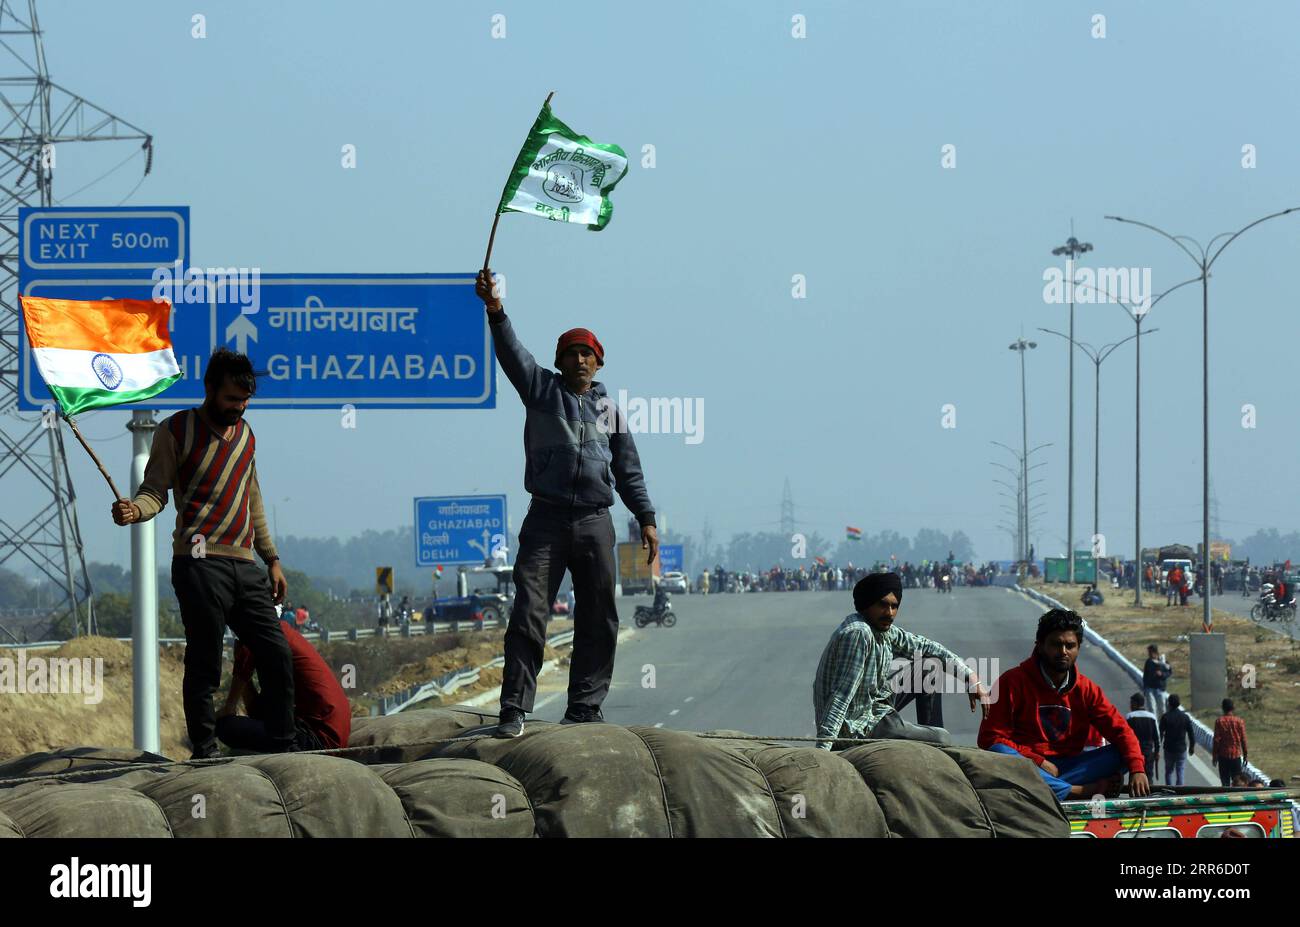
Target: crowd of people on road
{"x": 822, "y": 576}
{"x": 1178, "y": 585}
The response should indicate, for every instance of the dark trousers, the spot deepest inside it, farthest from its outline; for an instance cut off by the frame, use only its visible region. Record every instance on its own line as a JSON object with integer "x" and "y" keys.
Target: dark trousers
{"x": 1150, "y": 761}
{"x": 929, "y": 706}
{"x": 215, "y": 592}
{"x": 554, "y": 539}
{"x": 1229, "y": 768}
{"x": 249, "y": 733}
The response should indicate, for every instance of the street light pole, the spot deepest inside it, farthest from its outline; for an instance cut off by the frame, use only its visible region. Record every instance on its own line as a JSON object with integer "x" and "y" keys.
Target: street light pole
{"x": 1023, "y": 477}
{"x": 1098, "y": 357}
{"x": 1071, "y": 249}
{"x": 1204, "y": 261}
{"x": 1020, "y": 345}
{"x": 1137, "y": 316}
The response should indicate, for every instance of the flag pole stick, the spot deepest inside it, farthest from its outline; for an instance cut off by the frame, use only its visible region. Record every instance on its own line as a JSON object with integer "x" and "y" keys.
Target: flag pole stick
{"x": 487, "y": 259}
{"x": 93, "y": 456}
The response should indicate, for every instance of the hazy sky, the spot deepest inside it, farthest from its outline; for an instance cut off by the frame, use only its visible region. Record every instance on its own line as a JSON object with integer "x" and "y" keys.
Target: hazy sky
{"x": 776, "y": 156}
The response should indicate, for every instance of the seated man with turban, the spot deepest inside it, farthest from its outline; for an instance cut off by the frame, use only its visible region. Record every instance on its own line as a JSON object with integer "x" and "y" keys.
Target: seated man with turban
{"x": 852, "y": 694}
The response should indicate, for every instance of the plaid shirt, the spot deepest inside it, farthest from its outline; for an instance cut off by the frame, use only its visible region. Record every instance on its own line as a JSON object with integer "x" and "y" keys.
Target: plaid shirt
{"x": 852, "y": 687}
{"x": 1229, "y": 738}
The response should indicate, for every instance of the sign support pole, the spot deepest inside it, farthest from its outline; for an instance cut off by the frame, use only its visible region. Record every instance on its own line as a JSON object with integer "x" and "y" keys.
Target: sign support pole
{"x": 144, "y": 598}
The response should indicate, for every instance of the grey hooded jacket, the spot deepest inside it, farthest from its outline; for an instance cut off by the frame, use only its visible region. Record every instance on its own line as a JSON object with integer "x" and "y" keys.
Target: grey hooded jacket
{"x": 577, "y": 448}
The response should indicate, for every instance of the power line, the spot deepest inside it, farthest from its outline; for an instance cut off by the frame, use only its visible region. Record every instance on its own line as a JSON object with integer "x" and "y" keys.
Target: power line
{"x": 120, "y": 165}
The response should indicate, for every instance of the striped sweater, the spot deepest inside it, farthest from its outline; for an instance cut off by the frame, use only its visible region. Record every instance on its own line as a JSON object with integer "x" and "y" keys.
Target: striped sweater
{"x": 215, "y": 484}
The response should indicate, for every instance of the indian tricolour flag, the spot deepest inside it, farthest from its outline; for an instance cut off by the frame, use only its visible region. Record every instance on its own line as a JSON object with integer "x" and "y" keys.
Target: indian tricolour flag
{"x": 564, "y": 176}
{"x": 853, "y": 534}
{"x": 100, "y": 353}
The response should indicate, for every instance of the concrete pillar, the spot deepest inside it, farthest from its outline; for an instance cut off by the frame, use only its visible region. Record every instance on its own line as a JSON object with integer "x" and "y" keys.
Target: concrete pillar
{"x": 1208, "y": 671}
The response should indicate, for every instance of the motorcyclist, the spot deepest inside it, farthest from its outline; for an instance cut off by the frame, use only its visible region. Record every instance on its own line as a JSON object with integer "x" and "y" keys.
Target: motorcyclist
{"x": 661, "y": 599}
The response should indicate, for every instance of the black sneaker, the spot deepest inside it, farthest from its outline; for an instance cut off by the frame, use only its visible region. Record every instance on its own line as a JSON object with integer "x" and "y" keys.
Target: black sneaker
{"x": 583, "y": 714}
{"x": 511, "y": 723}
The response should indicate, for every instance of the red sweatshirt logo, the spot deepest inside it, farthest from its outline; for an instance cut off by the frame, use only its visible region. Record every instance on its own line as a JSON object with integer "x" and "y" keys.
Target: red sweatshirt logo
{"x": 1055, "y": 722}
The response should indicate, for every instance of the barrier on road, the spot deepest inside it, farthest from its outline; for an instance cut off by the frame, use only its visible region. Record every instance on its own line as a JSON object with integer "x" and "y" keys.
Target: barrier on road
{"x": 323, "y": 636}
{"x": 449, "y": 682}
{"x": 1204, "y": 735}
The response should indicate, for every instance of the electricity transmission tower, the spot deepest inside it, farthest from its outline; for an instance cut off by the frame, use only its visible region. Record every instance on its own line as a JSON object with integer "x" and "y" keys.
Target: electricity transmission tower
{"x": 787, "y": 511}
{"x": 38, "y": 121}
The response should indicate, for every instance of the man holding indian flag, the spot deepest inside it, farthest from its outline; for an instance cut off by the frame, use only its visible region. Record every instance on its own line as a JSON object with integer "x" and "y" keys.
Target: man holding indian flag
{"x": 98, "y": 354}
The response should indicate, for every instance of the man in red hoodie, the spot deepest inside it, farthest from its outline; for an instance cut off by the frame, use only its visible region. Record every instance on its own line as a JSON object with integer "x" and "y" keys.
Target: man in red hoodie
{"x": 322, "y": 715}
{"x": 1045, "y": 708}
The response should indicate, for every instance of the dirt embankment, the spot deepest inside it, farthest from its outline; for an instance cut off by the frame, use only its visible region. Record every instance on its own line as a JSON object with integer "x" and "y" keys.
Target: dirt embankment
{"x": 1263, "y": 668}
{"x": 32, "y": 722}
{"x": 100, "y": 715}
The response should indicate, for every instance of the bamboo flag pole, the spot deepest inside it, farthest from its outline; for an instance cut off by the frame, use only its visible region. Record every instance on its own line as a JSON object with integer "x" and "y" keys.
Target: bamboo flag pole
{"x": 95, "y": 457}
{"x": 487, "y": 259}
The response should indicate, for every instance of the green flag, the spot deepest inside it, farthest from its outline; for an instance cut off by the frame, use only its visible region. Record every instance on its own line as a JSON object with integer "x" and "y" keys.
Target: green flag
{"x": 563, "y": 176}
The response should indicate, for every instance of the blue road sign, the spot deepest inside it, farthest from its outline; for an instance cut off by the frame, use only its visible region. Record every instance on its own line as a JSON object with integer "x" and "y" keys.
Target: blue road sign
{"x": 380, "y": 341}
{"x": 670, "y": 558}
{"x": 110, "y": 241}
{"x": 453, "y": 530}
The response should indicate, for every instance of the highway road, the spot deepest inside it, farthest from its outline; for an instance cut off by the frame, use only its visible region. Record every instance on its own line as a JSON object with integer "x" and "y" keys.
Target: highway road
{"x": 746, "y": 662}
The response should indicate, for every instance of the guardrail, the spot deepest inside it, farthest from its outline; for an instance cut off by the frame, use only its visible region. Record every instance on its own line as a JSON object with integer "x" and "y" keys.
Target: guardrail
{"x": 449, "y": 682}
{"x": 320, "y": 637}
{"x": 1204, "y": 735}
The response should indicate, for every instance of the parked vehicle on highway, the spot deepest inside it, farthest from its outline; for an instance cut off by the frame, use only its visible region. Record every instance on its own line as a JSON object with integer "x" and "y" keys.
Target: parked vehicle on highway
{"x": 634, "y": 574}
{"x": 674, "y": 581}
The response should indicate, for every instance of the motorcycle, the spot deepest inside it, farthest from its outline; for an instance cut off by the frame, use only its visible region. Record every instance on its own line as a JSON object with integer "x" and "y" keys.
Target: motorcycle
{"x": 944, "y": 584}
{"x": 1269, "y": 609}
{"x": 645, "y": 614}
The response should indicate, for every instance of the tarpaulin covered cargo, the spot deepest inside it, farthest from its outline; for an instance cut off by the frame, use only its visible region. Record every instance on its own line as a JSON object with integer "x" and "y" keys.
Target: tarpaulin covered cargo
{"x": 439, "y": 773}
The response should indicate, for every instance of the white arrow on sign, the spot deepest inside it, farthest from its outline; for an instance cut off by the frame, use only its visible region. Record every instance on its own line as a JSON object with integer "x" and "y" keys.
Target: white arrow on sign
{"x": 487, "y": 536}
{"x": 241, "y": 330}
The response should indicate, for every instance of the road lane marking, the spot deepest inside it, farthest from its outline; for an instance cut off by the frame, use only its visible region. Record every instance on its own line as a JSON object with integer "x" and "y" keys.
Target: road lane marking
{"x": 660, "y": 724}
{"x": 689, "y": 698}
{"x": 673, "y": 712}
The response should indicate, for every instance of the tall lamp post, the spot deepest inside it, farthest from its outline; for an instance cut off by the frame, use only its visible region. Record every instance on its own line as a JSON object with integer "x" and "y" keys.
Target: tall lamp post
{"x": 1204, "y": 260}
{"x": 1023, "y": 502}
{"x": 1071, "y": 250}
{"x": 1098, "y": 357}
{"x": 1020, "y": 515}
{"x": 1020, "y": 345}
{"x": 1023, "y": 477}
{"x": 1137, "y": 314}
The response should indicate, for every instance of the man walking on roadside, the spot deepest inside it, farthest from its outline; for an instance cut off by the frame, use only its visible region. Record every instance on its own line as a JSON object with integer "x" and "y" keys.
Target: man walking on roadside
{"x": 1178, "y": 740}
{"x": 1146, "y": 728}
{"x": 1155, "y": 680}
{"x": 578, "y": 452}
{"x": 1229, "y": 750}
{"x": 204, "y": 456}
